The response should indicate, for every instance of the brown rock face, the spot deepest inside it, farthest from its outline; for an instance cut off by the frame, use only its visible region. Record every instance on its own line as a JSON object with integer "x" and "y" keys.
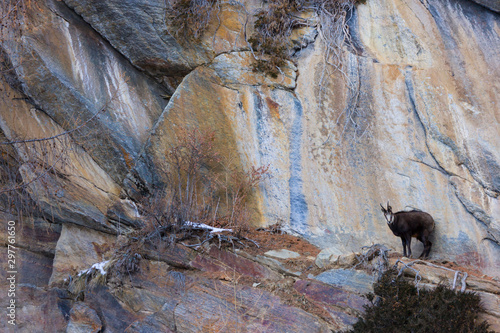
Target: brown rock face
{"x": 78, "y": 249}
{"x": 83, "y": 319}
{"x": 38, "y": 310}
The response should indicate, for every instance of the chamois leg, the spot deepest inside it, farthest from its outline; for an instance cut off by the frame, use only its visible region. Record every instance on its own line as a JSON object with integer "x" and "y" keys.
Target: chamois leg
{"x": 424, "y": 241}
{"x": 427, "y": 248}
{"x": 403, "y": 240}
{"x": 408, "y": 244}
{"x": 427, "y": 245}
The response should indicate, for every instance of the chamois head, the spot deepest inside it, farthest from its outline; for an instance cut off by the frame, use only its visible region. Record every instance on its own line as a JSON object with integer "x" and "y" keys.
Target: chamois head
{"x": 388, "y": 214}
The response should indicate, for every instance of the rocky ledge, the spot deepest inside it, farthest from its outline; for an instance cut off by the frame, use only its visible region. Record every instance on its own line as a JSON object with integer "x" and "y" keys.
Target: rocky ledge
{"x": 277, "y": 286}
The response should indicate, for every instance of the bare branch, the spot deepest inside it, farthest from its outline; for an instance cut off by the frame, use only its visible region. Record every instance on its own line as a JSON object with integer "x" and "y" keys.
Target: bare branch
{"x": 60, "y": 134}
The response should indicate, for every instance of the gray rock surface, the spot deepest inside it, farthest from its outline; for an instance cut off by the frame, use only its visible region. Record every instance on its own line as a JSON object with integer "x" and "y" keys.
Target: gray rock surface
{"x": 353, "y": 280}
{"x": 491, "y": 4}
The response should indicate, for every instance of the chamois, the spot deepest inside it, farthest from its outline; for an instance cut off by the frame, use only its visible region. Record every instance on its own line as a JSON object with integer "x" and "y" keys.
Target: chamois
{"x": 410, "y": 224}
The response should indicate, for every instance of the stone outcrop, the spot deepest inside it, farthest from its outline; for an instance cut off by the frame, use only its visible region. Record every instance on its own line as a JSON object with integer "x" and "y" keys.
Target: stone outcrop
{"x": 83, "y": 319}
{"x": 142, "y": 32}
{"x": 78, "y": 249}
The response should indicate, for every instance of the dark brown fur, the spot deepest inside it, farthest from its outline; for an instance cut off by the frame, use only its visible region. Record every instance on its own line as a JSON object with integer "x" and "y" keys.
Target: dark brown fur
{"x": 410, "y": 224}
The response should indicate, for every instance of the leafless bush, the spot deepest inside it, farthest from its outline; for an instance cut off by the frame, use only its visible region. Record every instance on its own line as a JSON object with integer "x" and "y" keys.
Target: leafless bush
{"x": 271, "y": 39}
{"x": 334, "y": 16}
{"x": 202, "y": 187}
{"x": 190, "y": 18}
{"x": 237, "y": 187}
{"x": 190, "y": 180}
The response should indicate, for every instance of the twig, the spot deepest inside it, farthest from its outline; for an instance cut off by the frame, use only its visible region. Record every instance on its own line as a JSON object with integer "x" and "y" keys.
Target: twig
{"x": 60, "y": 134}
{"x": 418, "y": 277}
{"x": 457, "y": 272}
{"x": 251, "y": 240}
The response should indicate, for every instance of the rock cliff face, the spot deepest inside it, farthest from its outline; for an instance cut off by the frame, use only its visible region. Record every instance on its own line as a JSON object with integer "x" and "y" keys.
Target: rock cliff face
{"x": 410, "y": 115}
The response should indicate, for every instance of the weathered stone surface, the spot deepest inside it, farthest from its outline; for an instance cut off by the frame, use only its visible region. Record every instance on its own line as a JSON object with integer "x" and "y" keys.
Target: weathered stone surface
{"x": 30, "y": 233}
{"x": 83, "y": 319}
{"x": 79, "y": 248}
{"x": 37, "y": 310}
{"x": 237, "y": 112}
{"x": 276, "y": 265}
{"x": 153, "y": 323}
{"x": 421, "y": 98}
{"x": 491, "y": 304}
{"x": 255, "y": 311}
{"x": 70, "y": 73}
{"x": 33, "y": 242}
{"x": 125, "y": 212}
{"x": 175, "y": 255}
{"x": 327, "y": 256}
{"x": 187, "y": 304}
{"x": 349, "y": 279}
{"x": 412, "y": 136}
{"x": 114, "y": 316}
{"x": 75, "y": 189}
{"x": 138, "y": 30}
{"x": 491, "y": 4}
{"x": 263, "y": 126}
{"x": 493, "y": 321}
{"x": 31, "y": 268}
{"x": 141, "y": 31}
{"x": 418, "y": 126}
{"x": 225, "y": 261}
{"x": 347, "y": 260}
{"x": 343, "y": 306}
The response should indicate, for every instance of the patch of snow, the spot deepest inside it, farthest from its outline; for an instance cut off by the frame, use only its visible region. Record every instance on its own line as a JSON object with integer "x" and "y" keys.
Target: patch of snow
{"x": 99, "y": 266}
{"x": 282, "y": 254}
{"x": 204, "y": 226}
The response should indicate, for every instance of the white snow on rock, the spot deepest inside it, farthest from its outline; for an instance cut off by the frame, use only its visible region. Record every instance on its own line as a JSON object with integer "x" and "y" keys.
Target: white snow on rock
{"x": 205, "y": 227}
{"x": 99, "y": 266}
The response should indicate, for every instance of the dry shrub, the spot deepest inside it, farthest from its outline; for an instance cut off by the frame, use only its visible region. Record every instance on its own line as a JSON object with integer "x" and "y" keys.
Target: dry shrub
{"x": 237, "y": 187}
{"x": 272, "y": 35}
{"x": 190, "y": 18}
{"x": 202, "y": 187}
{"x": 270, "y": 41}
{"x": 191, "y": 182}
{"x": 273, "y": 27}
